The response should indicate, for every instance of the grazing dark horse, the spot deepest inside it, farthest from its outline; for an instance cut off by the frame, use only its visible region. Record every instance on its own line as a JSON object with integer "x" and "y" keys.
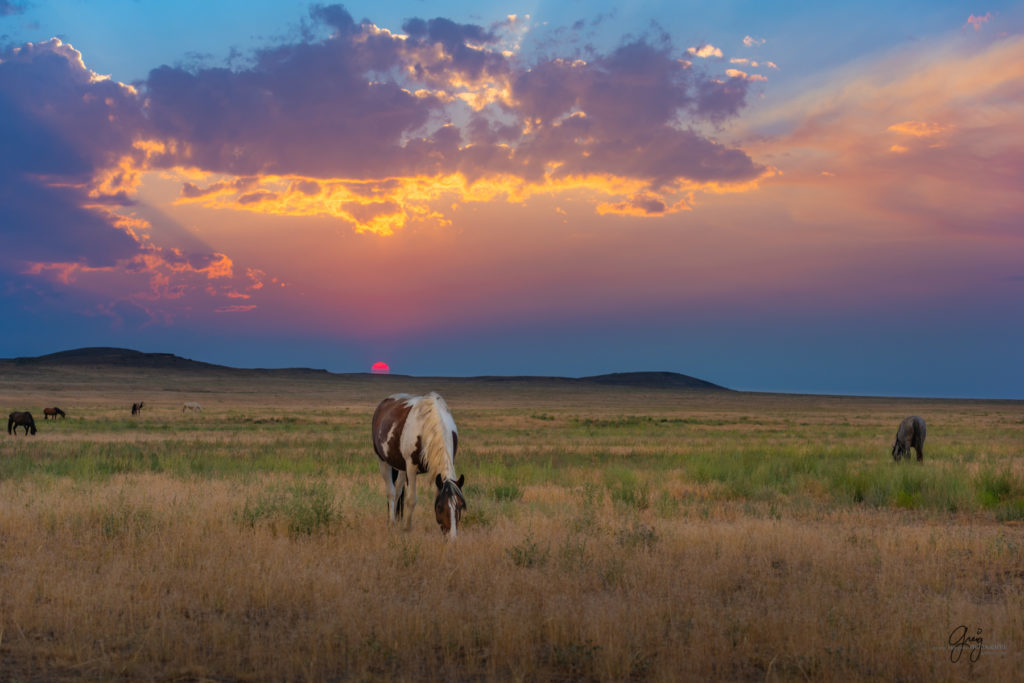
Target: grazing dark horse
{"x": 417, "y": 435}
{"x": 16, "y": 420}
{"x": 52, "y": 413}
{"x": 137, "y": 408}
{"x": 909, "y": 435}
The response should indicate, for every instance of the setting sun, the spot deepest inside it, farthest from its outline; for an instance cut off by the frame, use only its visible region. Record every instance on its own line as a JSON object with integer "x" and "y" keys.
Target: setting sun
{"x": 380, "y": 368}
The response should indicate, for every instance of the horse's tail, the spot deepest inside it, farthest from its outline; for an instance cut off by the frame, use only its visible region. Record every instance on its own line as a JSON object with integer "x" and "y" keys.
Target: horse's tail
{"x": 400, "y": 498}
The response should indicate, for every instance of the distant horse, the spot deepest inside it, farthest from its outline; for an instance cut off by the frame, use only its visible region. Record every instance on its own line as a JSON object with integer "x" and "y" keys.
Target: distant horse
{"x": 16, "y": 420}
{"x": 192, "y": 406}
{"x": 415, "y": 435}
{"x": 909, "y": 435}
{"x": 137, "y": 408}
{"x": 52, "y": 413}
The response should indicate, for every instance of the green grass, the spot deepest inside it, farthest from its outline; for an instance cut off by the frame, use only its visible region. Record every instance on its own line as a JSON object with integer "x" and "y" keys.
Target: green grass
{"x": 775, "y": 452}
{"x": 752, "y": 468}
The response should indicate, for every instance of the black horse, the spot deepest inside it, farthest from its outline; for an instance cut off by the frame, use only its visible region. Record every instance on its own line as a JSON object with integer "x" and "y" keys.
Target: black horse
{"x": 137, "y": 408}
{"x": 53, "y": 413}
{"x": 16, "y": 420}
{"x": 909, "y": 435}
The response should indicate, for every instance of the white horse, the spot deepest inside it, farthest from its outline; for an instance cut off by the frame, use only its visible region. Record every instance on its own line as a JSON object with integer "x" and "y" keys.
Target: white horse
{"x": 415, "y": 435}
{"x": 192, "y": 407}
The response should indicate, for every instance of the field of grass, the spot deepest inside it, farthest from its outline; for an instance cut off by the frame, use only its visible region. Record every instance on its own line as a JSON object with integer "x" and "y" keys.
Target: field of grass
{"x": 612, "y": 534}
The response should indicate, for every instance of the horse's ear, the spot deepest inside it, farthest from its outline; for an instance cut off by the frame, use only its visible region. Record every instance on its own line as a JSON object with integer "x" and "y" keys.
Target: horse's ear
{"x": 461, "y": 481}
{"x": 437, "y": 480}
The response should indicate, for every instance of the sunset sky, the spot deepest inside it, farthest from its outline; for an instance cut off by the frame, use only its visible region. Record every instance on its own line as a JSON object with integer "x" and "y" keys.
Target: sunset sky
{"x": 796, "y": 197}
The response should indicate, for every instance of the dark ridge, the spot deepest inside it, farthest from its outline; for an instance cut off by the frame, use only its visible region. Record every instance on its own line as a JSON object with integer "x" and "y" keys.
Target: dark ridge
{"x": 666, "y": 380}
{"x": 105, "y": 355}
{"x": 129, "y": 358}
{"x": 649, "y": 380}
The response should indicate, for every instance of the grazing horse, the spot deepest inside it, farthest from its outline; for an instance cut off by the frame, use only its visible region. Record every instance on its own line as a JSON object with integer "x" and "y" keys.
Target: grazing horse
{"x": 137, "y": 408}
{"x": 52, "y": 413}
{"x": 909, "y": 435}
{"x": 16, "y": 420}
{"x": 417, "y": 435}
{"x": 192, "y": 406}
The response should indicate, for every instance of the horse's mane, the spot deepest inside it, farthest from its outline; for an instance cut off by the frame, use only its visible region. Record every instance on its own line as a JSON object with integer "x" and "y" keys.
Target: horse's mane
{"x": 436, "y": 427}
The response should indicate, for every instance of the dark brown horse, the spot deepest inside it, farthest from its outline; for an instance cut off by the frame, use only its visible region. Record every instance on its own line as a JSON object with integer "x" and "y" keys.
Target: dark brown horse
{"x": 16, "y": 420}
{"x": 909, "y": 435}
{"x": 414, "y": 435}
{"x": 137, "y": 408}
{"x": 52, "y": 413}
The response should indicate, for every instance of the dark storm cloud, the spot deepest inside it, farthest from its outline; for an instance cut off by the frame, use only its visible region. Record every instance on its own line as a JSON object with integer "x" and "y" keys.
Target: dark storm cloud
{"x": 60, "y": 125}
{"x": 461, "y": 42}
{"x": 630, "y": 104}
{"x": 62, "y": 120}
{"x": 307, "y": 108}
{"x": 367, "y": 103}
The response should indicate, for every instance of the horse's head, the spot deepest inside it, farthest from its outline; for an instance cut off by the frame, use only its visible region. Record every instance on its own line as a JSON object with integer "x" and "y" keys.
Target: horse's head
{"x": 898, "y": 450}
{"x": 449, "y": 504}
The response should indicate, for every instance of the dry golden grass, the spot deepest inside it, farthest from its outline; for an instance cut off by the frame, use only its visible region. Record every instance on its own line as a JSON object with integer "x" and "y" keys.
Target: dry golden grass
{"x": 594, "y": 548}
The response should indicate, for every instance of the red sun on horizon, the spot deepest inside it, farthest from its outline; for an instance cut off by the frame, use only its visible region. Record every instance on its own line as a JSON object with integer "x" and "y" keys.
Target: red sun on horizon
{"x": 380, "y": 368}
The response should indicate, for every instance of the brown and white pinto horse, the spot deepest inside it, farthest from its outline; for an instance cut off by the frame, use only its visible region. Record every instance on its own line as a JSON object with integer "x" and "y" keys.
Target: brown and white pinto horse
{"x": 417, "y": 435}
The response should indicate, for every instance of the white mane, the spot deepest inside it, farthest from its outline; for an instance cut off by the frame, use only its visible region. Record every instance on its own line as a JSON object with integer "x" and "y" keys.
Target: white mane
{"x": 432, "y": 419}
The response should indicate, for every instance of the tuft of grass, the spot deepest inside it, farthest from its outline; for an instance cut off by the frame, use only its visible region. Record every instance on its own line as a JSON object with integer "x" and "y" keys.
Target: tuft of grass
{"x": 638, "y": 537}
{"x": 529, "y": 553}
{"x": 1011, "y": 511}
{"x": 304, "y": 508}
{"x": 996, "y": 487}
{"x": 625, "y": 488}
{"x": 506, "y": 492}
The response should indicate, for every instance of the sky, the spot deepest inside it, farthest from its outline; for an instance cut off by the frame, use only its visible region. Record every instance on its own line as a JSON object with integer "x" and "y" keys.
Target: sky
{"x": 779, "y": 197}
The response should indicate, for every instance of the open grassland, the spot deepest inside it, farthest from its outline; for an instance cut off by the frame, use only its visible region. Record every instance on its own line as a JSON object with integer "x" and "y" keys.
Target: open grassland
{"x": 612, "y": 534}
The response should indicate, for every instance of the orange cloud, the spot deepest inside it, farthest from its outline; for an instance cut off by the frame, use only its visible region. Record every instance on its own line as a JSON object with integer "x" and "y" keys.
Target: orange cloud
{"x": 919, "y": 128}
{"x": 736, "y": 73}
{"x": 642, "y": 205}
{"x": 385, "y": 206}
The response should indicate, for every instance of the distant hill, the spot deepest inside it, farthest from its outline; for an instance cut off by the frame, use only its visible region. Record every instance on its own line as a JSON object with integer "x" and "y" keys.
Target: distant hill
{"x": 650, "y": 380}
{"x": 129, "y": 358}
{"x": 663, "y": 380}
{"x": 103, "y": 355}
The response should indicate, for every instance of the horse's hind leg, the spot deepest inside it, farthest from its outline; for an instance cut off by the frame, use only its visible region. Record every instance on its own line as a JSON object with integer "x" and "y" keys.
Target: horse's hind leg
{"x": 411, "y": 498}
{"x": 386, "y": 473}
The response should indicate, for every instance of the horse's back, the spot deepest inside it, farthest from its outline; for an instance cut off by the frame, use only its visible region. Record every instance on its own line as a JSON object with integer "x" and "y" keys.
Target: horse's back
{"x": 391, "y": 441}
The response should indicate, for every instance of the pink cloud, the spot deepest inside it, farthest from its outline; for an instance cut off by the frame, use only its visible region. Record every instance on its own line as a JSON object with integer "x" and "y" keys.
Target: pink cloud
{"x": 978, "y": 21}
